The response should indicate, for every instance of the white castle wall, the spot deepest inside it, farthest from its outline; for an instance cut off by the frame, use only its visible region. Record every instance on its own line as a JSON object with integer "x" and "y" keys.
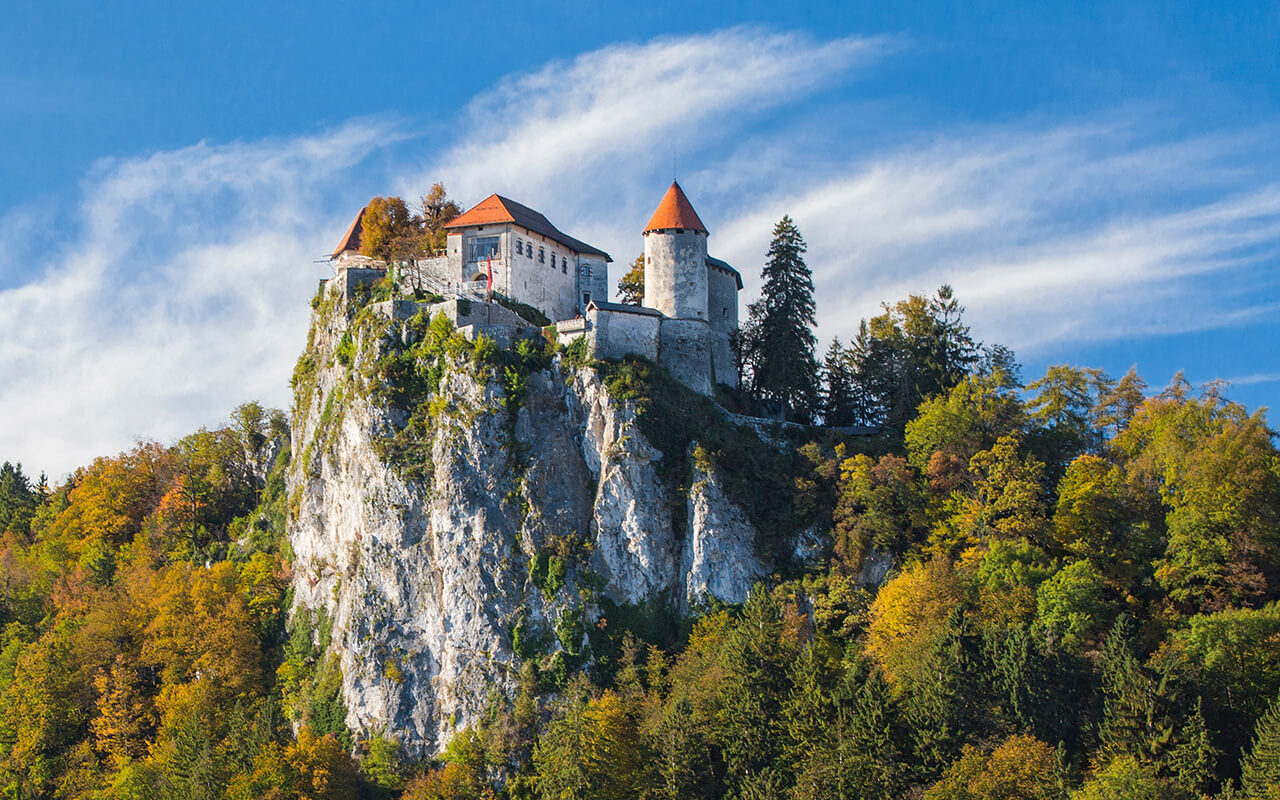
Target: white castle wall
{"x": 675, "y": 273}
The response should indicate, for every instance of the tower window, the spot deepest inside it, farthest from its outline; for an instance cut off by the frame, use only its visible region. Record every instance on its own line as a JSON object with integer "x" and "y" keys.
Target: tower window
{"x": 564, "y": 265}
{"x": 586, "y": 298}
{"x": 542, "y": 255}
{"x": 519, "y": 247}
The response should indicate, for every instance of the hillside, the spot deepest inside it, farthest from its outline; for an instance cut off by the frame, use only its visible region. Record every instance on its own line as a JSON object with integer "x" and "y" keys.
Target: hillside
{"x": 463, "y": 571}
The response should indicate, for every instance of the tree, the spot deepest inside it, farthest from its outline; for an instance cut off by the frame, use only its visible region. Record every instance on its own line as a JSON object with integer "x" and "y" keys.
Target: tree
{"x": 1260, "y": 769}
{"x": 781, "y": 360}
{"x": 1021, "y": 768}
{"x": 881, "y": 506}
{"x": 1192, "y": 761}
{"x": 1061, "y": 404}
{"x": 968, "y": 418}
{"x": 917, "y": 348}
{"x": 837, "y": 387}
{"x": 18, "y": 499}
{"x": 1218, "y": 475}
{"x": 1134, "y": 719}
{"x": 631, "y": 284}
{"x": 388, "y": 231}
{"x": 909, "y": 613}
{"x": 436, "y": 210}
{"x": 1127, "y": 778}
{"x": 1070, "y": 603}
{"x": 1116, "y": 406}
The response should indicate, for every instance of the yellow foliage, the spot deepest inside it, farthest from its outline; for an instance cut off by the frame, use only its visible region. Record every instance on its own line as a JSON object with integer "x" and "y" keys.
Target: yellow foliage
{"x": 1021, "y": 768}
{"x": 906, "y": 616}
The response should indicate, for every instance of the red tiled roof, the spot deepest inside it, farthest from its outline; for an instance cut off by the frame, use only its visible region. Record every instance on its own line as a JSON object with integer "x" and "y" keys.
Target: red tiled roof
{"x": 675, "y": 211}
{"x": 351, "y": 241}
{"x": 496, "y": 209}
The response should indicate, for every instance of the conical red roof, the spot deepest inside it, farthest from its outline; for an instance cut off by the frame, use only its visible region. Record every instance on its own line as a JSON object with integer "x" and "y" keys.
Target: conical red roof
{"x": 675, "y": 211}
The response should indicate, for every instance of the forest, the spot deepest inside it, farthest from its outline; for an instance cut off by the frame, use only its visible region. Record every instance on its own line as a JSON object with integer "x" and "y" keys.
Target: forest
{"x": 1062, "y": 588}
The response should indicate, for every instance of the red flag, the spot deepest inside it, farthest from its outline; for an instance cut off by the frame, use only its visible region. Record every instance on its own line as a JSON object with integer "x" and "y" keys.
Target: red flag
{"x": 489, "y": 270}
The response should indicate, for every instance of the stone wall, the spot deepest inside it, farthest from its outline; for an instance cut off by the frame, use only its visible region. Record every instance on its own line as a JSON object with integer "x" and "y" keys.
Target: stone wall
{"x": 724, "y": 363}
{"x": 675, "y": 273}
{"x": 685, "y": 350}
{"x": 722, "y": 300}
{"x": 623, "y": 333}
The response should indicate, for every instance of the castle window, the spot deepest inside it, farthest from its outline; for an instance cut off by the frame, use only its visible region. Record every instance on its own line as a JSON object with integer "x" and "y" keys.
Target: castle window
{"x": 519, "y": 247}
{"x": 542, "y": 255}
{"x": 724, "y": 312}
{"x": 482, "y": 248}
{"x": 564, "y": 265}
{"x": 586, "y": 298}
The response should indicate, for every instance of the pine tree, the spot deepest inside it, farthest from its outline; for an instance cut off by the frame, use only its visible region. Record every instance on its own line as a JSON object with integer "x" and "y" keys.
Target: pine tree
{"x": 838, "y": 389}
{"x": 1193, "y": 759}
{"x": 781, "y": 346}
{"x": 1133, "y": 722}
{"x": 870, "y": 762}
{"x": 1260, "y": 769}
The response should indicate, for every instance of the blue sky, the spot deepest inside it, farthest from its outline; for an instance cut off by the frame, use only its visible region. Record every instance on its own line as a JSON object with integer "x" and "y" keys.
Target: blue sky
{"x": 1100, "y": 182}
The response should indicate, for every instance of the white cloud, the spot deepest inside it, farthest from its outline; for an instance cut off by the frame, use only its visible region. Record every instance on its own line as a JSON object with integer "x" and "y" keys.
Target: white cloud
{"x": 183, "y": 290}
{"x": 579, "y": 134}
{"x": 183, "y": 294}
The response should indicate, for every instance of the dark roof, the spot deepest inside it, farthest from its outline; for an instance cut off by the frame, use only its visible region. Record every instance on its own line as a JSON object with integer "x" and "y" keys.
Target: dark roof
{"x": 675, "y": 211}
{"x": 351, "y": 240}
{"x": 497, "y": 209}
{"x": 625, "y": 308}
{"x": 724, "y": 265}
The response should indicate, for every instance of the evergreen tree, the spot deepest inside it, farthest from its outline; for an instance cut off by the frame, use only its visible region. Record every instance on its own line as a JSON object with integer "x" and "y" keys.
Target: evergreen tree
{"x": 1133, "y": 722}
{"x": 17, "y": 498}
{"x": 871, "y": 764}
{"x": 1193, "y": 759}
{"x": 837, "y": 392}
{"x": 1260, "y": 769}
{"x": 781, "y": 349}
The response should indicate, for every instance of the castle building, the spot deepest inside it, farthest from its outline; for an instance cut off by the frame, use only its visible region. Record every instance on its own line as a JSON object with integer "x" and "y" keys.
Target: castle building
{"x": 690, "y": 311}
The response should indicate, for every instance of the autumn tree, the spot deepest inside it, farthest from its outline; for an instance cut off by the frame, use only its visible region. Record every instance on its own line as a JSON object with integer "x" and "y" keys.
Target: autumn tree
{"x": 631, "y": 284}
{"x": 388, "y": 232}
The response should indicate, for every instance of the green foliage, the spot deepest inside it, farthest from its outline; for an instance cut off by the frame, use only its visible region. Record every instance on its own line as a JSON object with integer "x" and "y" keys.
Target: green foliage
{"x": 1071, "y": 604}
{"x": 577, "y": 353}
{"x": 631, "y": 284}
{"x": 778, "y": 340}
{"x": 1260, "y": 770}
{"x": 526, "y": 312}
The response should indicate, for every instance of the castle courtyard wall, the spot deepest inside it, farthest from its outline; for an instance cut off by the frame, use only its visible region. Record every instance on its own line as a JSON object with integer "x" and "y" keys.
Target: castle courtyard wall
{"x": 684, "y": 348}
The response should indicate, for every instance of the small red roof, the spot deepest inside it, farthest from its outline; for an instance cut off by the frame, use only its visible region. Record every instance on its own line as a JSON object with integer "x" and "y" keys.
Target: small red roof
{"x": 351, "y": 240}
{"x": 675, "y": 211}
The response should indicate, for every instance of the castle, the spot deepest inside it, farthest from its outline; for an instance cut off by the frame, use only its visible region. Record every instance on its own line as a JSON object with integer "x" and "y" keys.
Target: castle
{"x": 687, "y": 322}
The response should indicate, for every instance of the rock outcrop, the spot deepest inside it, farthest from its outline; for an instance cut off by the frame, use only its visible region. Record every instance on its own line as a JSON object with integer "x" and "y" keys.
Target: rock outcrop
{"x": 528, "y": 499}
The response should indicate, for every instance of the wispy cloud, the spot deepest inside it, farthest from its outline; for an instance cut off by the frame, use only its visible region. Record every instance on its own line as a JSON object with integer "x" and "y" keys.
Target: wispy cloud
{"x": 183, "y": 294}
{"x": 183, "y": 288}
{"x": 592, "y": 128}
{"x": 1250, "y": 380}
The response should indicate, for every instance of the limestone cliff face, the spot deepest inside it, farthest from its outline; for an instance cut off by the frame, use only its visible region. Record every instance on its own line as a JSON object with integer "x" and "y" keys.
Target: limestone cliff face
{"x": 524, "y": 518}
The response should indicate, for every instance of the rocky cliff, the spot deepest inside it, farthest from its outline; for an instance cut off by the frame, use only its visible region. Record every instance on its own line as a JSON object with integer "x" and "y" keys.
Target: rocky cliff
{"x": 457, "y": 510}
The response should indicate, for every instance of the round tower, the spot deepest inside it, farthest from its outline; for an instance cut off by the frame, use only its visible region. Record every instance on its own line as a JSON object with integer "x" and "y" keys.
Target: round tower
{"x": 675, "y": 258}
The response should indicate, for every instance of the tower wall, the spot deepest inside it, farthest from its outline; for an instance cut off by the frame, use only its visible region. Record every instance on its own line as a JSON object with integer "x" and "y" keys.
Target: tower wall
{"x": 675, "y": 273}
